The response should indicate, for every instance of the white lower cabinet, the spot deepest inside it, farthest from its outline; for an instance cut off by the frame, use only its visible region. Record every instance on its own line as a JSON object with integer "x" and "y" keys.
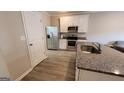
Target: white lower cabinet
{"x": 62, "y": 43}
{"x": 85, "y": 75}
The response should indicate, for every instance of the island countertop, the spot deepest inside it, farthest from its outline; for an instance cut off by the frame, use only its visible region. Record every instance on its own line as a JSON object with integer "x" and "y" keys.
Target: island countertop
{"x": 109, "y": 61}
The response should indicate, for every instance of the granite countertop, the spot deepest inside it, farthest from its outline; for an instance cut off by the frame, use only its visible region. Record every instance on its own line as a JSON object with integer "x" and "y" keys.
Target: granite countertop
{"x": 109, "y": 61}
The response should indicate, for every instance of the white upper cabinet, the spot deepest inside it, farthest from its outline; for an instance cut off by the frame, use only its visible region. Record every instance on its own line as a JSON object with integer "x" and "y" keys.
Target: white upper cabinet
{"x": 83, "y": 23}
{"x": 78, "y": 20}
{"x": 63, "y": 24}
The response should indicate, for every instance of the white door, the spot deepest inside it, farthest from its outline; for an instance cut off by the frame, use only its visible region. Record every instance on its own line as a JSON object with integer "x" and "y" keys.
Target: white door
{"x": 35, "y": 35}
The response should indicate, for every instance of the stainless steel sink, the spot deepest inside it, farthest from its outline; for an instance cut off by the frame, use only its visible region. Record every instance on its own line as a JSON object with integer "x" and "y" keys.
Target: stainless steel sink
{"x": 91, "y": 48}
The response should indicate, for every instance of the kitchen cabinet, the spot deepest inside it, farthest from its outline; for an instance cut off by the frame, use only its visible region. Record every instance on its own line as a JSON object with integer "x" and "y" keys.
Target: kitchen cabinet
{"x": 62, "y": 43}
{"x": 78, "y": 20}
{"x": 64, "y": 24}
{"x": 67, "y": 21}
{"x": 83, "y": 23}
{"x": 86, "y": 75}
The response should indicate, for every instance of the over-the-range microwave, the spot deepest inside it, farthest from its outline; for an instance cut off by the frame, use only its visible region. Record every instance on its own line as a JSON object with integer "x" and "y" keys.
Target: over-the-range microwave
{"x": 73, "y": 29}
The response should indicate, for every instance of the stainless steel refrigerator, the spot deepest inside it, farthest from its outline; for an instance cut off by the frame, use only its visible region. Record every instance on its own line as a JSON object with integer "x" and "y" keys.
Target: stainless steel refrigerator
{"x": 52, "y": 37}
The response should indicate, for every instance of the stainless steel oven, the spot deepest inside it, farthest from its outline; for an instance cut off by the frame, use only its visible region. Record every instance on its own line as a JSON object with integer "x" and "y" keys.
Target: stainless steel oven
{"x": 72, "y": 36}
{"x": 72, "y": 43}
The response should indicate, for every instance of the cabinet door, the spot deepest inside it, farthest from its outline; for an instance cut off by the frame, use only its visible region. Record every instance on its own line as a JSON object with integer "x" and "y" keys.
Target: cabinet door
{"x": 67, "y": 21}
{"x": 63, "y": 24}
{"x": 85, "y": 75}
{"x": 75, "y": 20}
{"x": 83, "y": 23}
{"x": 72, "y": 21}
{"x": 62, "y": 43}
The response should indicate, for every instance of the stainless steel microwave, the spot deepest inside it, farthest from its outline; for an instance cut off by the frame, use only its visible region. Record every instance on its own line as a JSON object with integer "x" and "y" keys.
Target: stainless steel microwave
{"x": 73, "y": 29}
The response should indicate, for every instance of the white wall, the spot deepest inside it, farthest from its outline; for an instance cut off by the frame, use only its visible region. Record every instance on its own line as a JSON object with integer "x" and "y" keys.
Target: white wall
{"x": 3, "y": 68}
{"x": 14, "y": 52}
{"x": 106, "y": 26}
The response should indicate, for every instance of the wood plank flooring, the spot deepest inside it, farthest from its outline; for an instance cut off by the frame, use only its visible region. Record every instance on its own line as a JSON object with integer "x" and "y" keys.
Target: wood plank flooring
{"x": 59, "y": 66}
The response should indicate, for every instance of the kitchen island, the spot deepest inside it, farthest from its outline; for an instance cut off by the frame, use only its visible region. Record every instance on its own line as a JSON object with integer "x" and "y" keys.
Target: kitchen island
{"x": 105, "y": 66}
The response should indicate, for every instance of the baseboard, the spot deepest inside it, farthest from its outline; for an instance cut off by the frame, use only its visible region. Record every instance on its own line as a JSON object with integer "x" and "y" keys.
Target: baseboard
{"x": 28, "y": 71}
{"x": 24, "y": 74}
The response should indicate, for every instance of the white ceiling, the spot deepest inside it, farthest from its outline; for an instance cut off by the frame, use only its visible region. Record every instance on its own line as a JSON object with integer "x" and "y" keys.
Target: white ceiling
{"x": 59, "y": 13}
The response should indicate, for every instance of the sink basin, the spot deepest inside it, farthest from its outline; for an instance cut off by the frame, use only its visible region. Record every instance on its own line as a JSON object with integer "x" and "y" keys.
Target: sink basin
{"x": 90, "y": 49}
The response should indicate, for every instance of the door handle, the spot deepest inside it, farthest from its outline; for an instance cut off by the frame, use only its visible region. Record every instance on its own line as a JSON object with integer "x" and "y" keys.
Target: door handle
{"x": 30, "y": 44}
